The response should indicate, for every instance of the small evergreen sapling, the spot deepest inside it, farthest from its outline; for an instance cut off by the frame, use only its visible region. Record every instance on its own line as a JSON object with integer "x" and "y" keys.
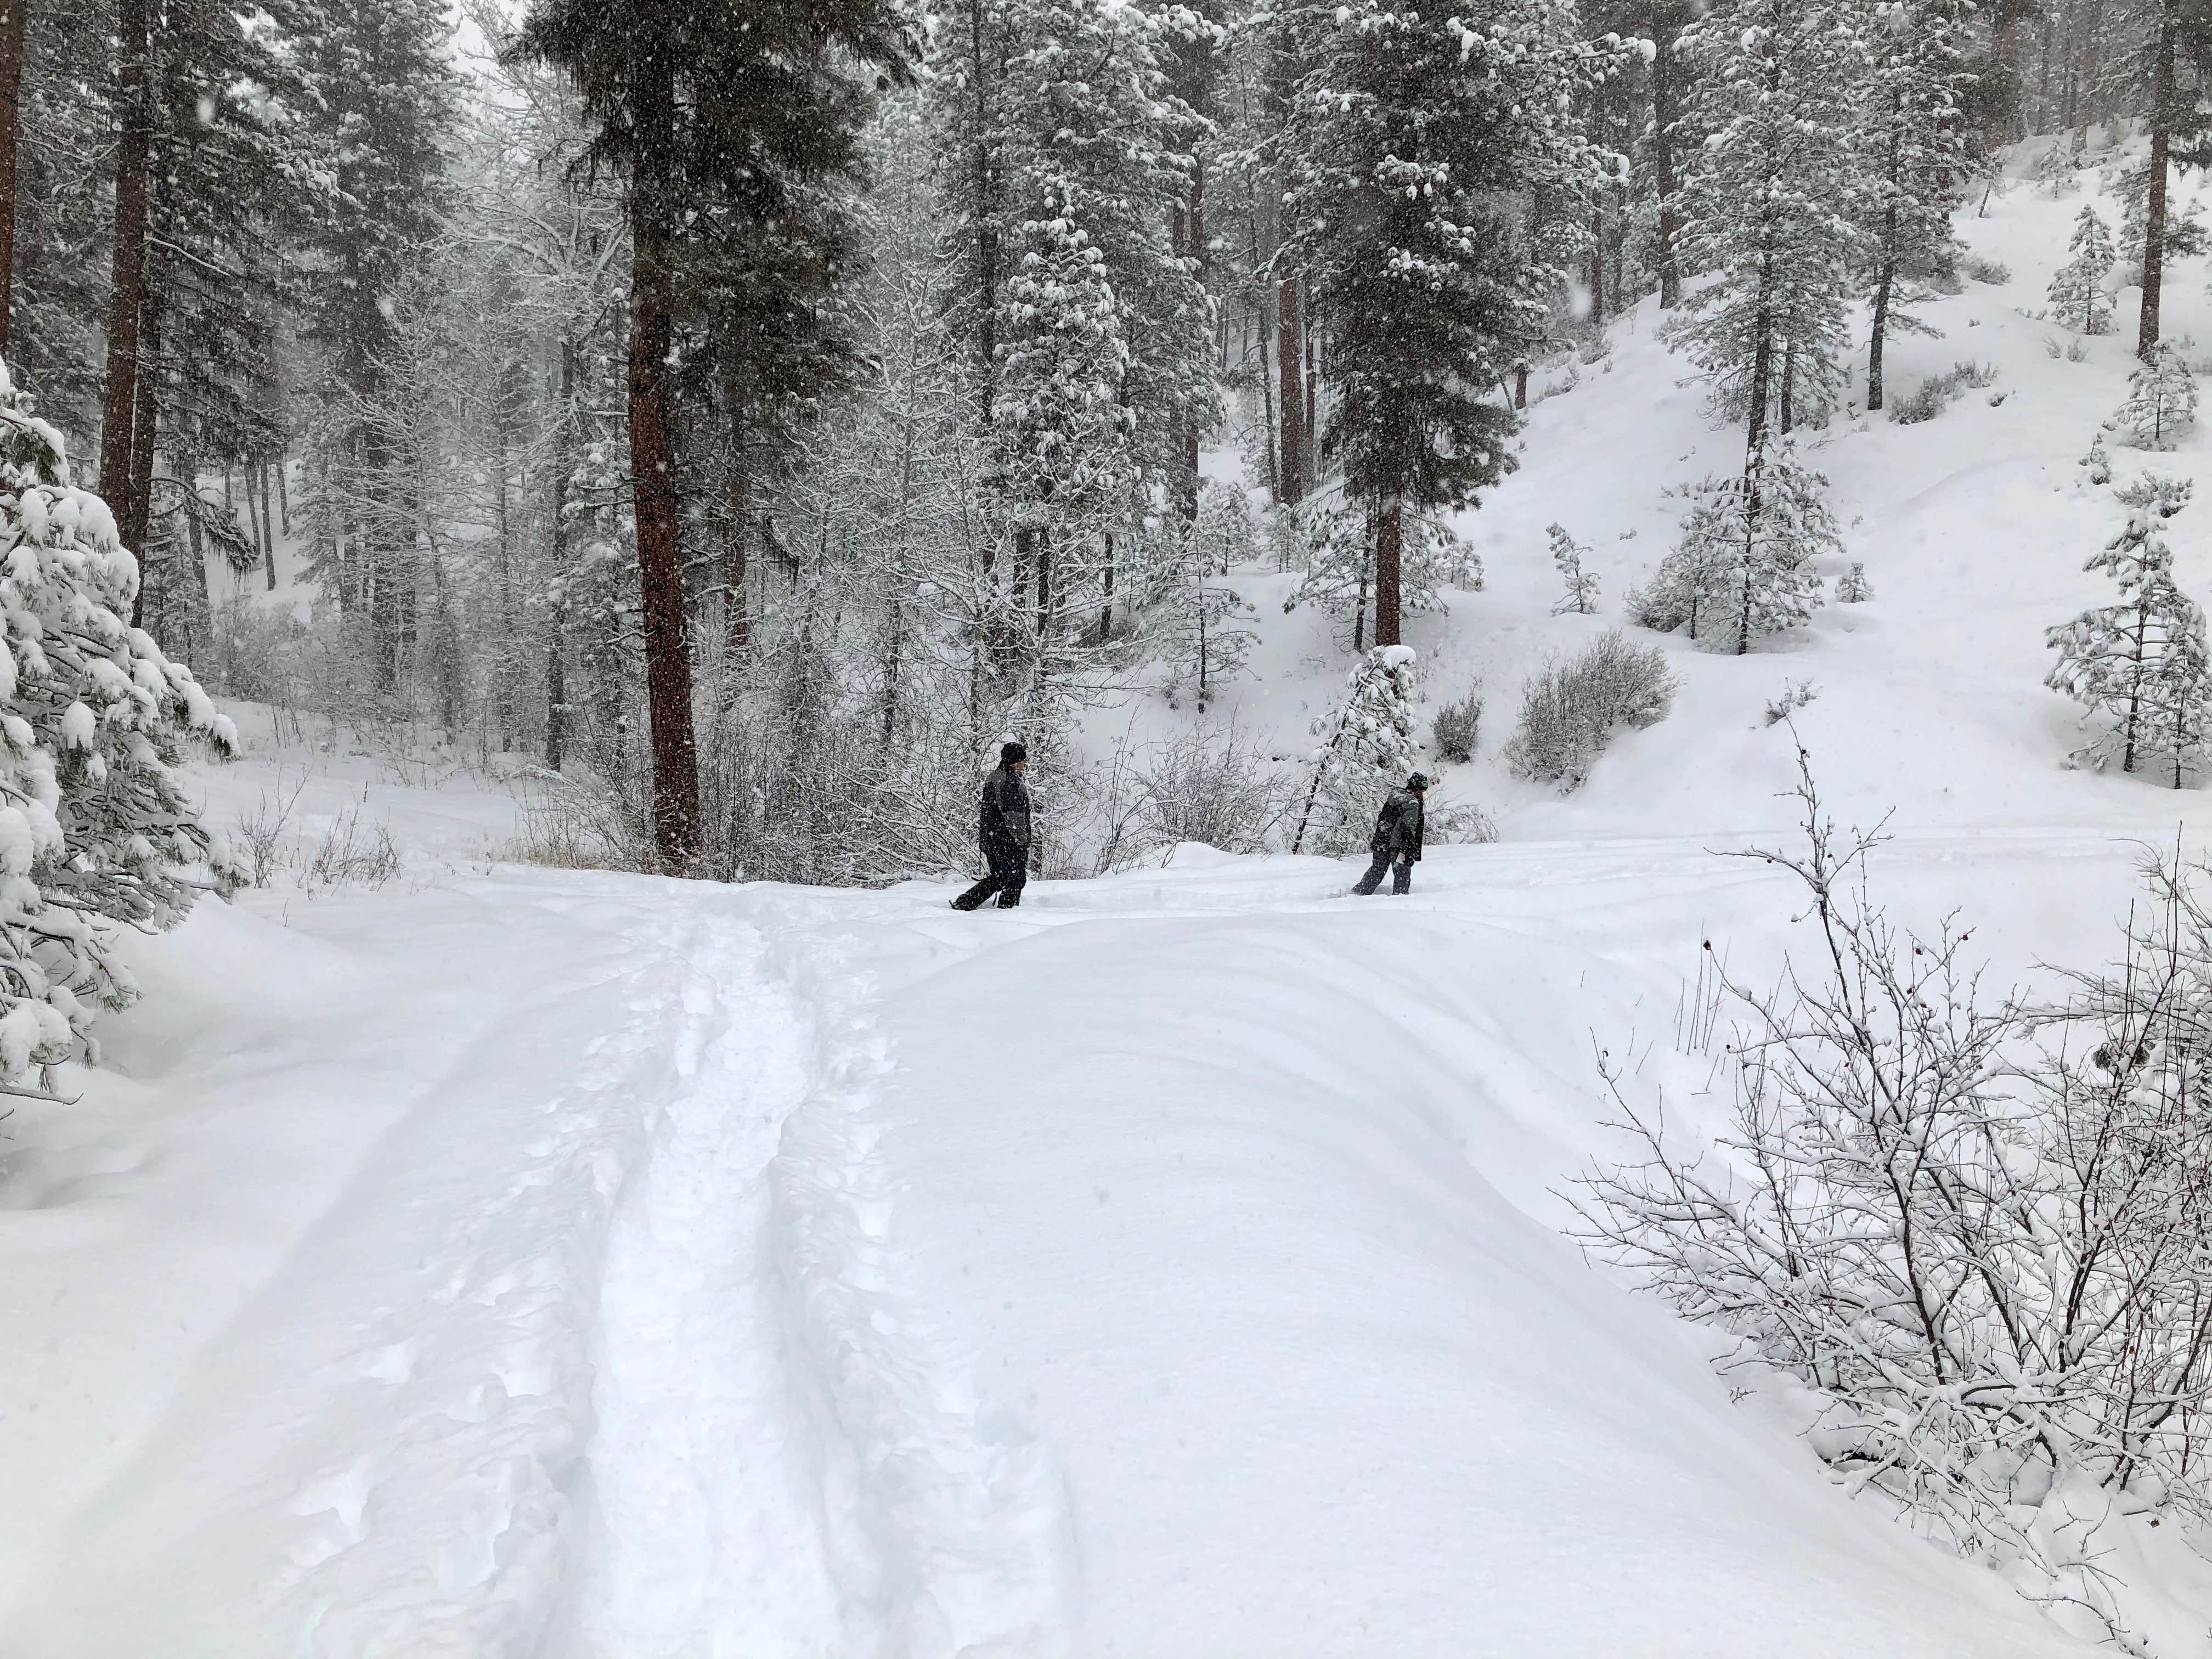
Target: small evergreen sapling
{"x": 2096, "y": 465}
{"x": 1852, "y": 588}
{"x": 1742, "y": 568}
{"x": 2162, "y": 400}
{"x": 95, "y": 826}
{"x": 1581, "y": 597}
{"x": 2138, "y": 665}
{"x": 2077, "y": 293}
{"x": 1367, "y": 751}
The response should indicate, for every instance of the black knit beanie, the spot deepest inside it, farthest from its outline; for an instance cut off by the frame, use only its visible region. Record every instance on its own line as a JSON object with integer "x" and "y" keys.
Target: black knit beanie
{"x": 1009, "y": 753}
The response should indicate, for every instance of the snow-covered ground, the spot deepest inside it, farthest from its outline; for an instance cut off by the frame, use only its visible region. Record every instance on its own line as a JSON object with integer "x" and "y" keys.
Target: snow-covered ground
{"x": 503, "y": 1261}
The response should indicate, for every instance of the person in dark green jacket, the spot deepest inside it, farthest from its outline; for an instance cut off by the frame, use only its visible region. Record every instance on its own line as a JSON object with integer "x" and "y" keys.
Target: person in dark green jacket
{"x": 1396, "y": 843}
{"x": 1003, "y": 828}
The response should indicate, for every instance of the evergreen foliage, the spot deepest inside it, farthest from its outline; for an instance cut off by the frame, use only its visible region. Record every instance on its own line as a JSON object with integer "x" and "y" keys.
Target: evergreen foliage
{"x": 2161, "y": 402}
{"x": 1852, "y": 588}
{"x": 1415, "y": 137}
{"x": 1567, "y": 557}
{"x": 2077, "y": 293}
{"x": 1367, "y": 751}
{"x": 1742, "y": 567}
{"x": 2138, "y": 666}
{"x": 96, "y": 827}
{"x": 1771, "y": 118}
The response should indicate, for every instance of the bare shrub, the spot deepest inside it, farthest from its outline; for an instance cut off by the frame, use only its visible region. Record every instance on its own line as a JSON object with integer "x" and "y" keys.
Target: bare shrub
{"x": 1795, "y": 696}
{"x": 352, "y": 853}
{"x": 1457, "y": 726}
{"x": 1973, "y": 1229}
{"x": 1993, "y": 271}
{"x": 1462, "y": 823}
{"x": 261, "y": 836}
{"x": 1571, "y": 709}
{"x": 1218, "y": 790}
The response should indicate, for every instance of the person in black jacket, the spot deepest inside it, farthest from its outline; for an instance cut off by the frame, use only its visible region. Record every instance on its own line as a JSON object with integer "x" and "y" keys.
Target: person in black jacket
{"x": 1397, "y": 838}
{"x": 1005, "y": 833}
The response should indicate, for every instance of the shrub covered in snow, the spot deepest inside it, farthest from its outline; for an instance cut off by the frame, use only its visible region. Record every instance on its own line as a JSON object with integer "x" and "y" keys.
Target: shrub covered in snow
{"x": 1367, "y": 751}
{"x": 1852, "y": 588}
{"x": 1936, "y": 393}
{"x": 94, "y": 826}
{"x": 1457, "y": 726}
{"x": 1570, "y": 711}
{"x": 1993, "y": 271}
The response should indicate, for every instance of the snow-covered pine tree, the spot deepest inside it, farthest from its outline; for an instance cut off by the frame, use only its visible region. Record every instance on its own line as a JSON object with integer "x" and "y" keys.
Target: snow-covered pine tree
{"x": 1101, "y": 326}
{"x": 1742, "y": 568}
{"x": 1417, "y": 138}
{"x": 1198, "y": 624}
{"x": 2186, "y": 235}
{"x": 1910, "y": 139}
{"x": 2077, "y": 293}
{"x": 2112, "y": 656}
{"x": 95, "y": 826}
{"x": 1339, "y": 562}
{"x": 1367, "y": 749}
{"x": 1768, "y": 122}
{"x": 2096, "y": 465}
{"x": 2177, "y": 707}
{"x": 1568, "y": 554}
{"x": 1224, "y": 533}
{"x": 2162, "y": 400}
{"x": 1852, "y": 588}
{"x": 1691, "y": 578}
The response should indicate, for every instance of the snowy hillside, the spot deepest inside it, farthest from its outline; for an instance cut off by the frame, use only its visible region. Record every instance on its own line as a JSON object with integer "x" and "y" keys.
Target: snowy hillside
{"x": 491, "y": 1258}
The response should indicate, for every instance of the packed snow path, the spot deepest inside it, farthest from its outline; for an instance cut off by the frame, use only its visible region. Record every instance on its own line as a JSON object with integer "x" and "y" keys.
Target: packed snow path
{"x": 575, "y": 1265}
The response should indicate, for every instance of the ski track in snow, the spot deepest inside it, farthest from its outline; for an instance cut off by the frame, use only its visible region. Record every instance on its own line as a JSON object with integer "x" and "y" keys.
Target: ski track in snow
{"x": 973, "y": 1540}
{"x": 658, "y": 1387}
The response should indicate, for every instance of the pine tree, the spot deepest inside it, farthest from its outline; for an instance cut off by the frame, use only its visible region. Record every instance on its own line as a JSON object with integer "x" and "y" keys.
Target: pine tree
{"x": 1912, "y": 148}
{"x": 2186, "y": 235}
{"x": 96, "y": 827}
{"x": 2077, "y": 293}
{"x": 1852, "y": 588}
{"x": 1367, "y": 751}
{"x": 2096, "y": 465}
{"x": 1771, "y": 117}
{"x": 2176, "y": 704}
{"x": 720, "y": 121}
{"x": 2162, "y": 400}
{"x": 2121, "y": 661}
{"x": 1199, "y": 625}
{"x": 1742, "y": 568}
{"x": 1416, "y": 136}
{"x": 1567, "y": 554}
{"x": 1337, "y": 540}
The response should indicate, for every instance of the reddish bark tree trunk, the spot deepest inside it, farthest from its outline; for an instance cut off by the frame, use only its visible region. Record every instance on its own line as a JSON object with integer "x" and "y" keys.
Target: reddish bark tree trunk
{"x": 1290, "y": 370}
{"x": 653, "y": 480}
{"x": 127, "y": 298}
{"x": 2162, "y": 130}
{"x": 1390, "y": 549}
{"x": 14, "y": 14}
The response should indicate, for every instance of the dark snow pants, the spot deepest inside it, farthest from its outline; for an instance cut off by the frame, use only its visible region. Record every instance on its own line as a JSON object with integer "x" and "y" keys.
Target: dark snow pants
{"x": 1402, "y": 879}
{"x": 1010, "y": 871}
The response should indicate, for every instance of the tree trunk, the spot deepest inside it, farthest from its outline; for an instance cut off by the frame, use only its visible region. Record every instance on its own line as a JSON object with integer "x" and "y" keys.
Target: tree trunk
{"x": 268, "y": 528}
{"x": 1389, "y": 548}
{"x": 127, "y": 291}
{"x": 1662, "y": 164}
{"x": 137, "y": 515}
{"x": 653, "y": 480}
{"x": 1291, "y": 376}
{"x": 983, "y": 181}
{"x": 1520, "y": 386}
{"x": 2161, "y": 134}
{"x": 13, "y": 16}
{"x": 1597, "y": 265}
{"x": 1883, "y": 284}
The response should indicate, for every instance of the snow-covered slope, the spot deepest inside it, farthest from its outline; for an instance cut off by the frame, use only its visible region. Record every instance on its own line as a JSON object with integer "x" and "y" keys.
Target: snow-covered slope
{"x": 512, "y": 1261}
